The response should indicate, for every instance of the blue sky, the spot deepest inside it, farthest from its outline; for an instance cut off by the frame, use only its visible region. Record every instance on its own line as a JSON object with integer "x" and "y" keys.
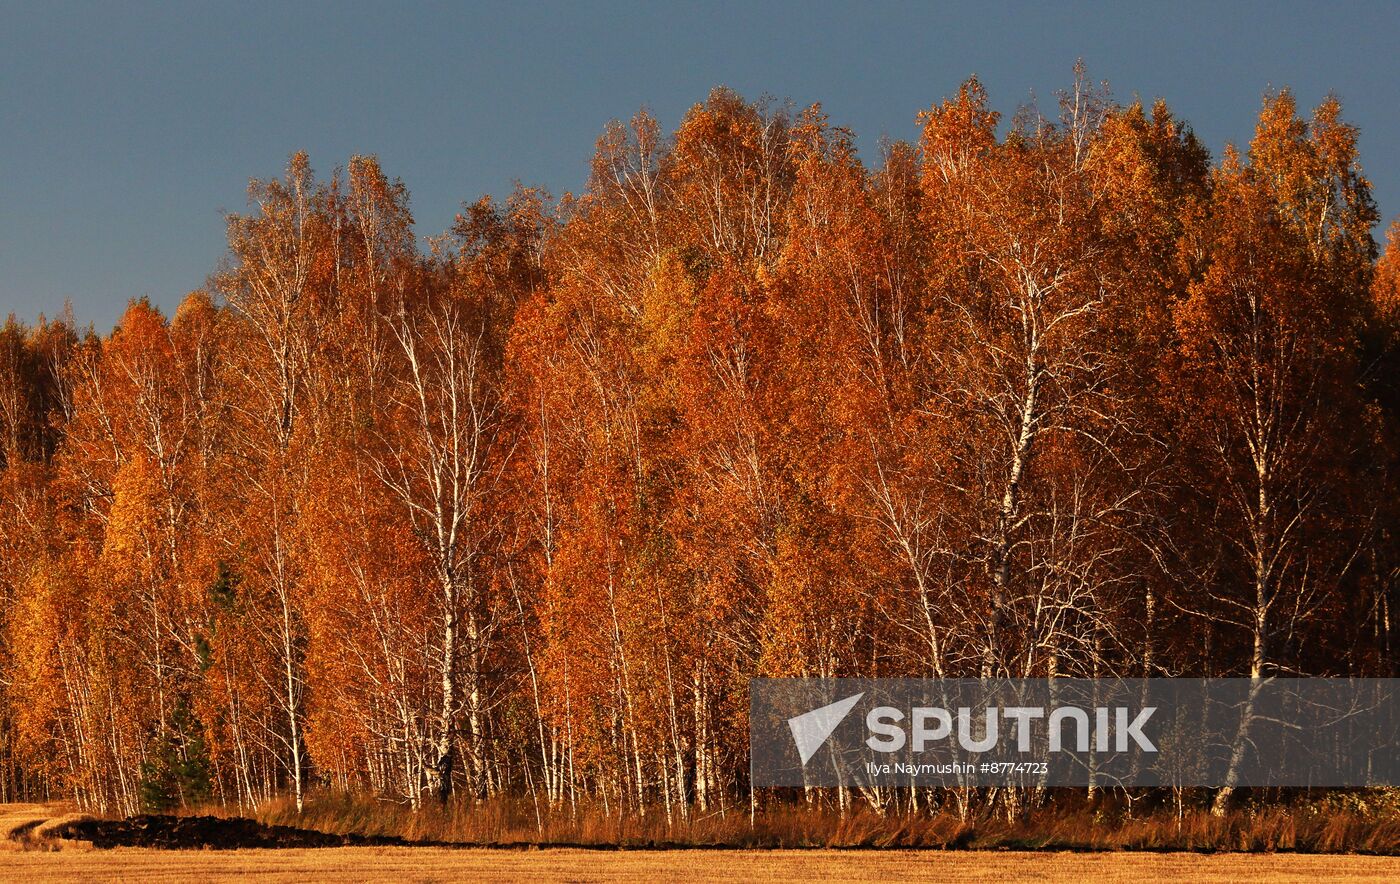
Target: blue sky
{"x": 127, "y": 129}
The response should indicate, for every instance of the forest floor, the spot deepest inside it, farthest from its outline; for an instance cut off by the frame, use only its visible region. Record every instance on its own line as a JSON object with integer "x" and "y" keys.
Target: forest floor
{"x": 39, "y": 843}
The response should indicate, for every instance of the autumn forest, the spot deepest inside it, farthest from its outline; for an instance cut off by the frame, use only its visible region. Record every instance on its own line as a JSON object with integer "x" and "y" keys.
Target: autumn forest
{"x": 518, "y": 510}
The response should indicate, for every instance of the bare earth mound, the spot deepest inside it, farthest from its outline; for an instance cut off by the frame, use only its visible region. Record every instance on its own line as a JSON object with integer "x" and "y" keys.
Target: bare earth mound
{"x": 205, "y": 833}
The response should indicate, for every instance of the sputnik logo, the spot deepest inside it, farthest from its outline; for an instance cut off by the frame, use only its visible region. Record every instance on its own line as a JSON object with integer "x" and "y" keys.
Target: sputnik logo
{"x": 810, "y": 730}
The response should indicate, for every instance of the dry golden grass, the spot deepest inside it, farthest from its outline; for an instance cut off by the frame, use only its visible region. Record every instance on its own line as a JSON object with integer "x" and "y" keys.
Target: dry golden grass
{"x": 14, "y": 817}
{"x": 1344, "y": 823}
{"x": 434, "y": 864}
{"x": 29, "y": 826}
{"x": 33, "y": 857}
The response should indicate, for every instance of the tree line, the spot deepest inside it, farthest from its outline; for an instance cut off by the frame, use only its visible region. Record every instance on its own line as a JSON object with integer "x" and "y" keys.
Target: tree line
{"x": 521, "y": 510}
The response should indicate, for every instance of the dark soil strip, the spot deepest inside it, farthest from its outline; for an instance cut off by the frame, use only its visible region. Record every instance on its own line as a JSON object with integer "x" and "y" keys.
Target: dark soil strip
{"x": 20, "y": 832}
{"x": 209, "y": 832}
{"x": 232, "y": 833}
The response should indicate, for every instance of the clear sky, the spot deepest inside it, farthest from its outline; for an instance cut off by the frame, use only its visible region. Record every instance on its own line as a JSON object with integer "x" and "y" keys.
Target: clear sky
{"x": 126, "y": 129}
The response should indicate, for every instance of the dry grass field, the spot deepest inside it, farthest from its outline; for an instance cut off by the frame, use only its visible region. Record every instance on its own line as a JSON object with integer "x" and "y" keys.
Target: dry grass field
{"x": 405, "y": 864}
{"x": 33, "y": 848}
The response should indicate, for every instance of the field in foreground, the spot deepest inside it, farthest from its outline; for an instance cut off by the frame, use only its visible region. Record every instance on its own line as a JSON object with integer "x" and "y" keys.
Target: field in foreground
{"x": 403, "y": 864}
{"x": 39, "y": 843}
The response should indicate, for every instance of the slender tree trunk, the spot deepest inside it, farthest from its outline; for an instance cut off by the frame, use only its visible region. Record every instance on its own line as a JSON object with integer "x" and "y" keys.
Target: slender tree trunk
{"x": 443, "y": 759}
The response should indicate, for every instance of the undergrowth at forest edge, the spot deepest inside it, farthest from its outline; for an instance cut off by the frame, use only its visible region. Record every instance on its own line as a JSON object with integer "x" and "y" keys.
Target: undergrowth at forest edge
{"x": 1344, "y": 822}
